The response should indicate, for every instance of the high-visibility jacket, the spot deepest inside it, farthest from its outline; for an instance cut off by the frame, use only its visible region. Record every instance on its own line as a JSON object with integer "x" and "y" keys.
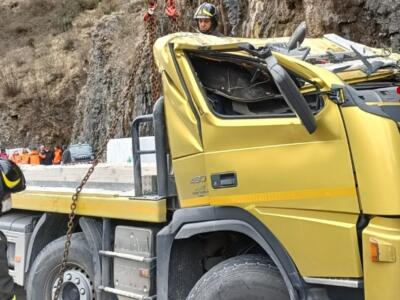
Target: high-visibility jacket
{"x": 25, "y": 158}
{"x": 34, "y": 158}
{"x": 57, "y": 156}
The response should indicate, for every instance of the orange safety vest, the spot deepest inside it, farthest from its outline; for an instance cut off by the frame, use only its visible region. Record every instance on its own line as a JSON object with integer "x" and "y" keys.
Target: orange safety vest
{"x": 57, "y": 156}
{"x": 25, "y": 158}
{"x": 34, "y": 158}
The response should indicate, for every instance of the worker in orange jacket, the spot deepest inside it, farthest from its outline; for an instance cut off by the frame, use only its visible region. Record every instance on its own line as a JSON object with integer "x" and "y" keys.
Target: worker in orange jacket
{"x": 34, "y": 158}
{"x": 25, "y": 157}
{"x": 57, "y": 155}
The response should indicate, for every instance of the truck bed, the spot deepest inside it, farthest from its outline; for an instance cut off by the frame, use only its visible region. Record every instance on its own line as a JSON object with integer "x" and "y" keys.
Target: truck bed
{"x": 93, "y": 203}
{"x": 116, "y": 177}
{"x": 109, "y": 192}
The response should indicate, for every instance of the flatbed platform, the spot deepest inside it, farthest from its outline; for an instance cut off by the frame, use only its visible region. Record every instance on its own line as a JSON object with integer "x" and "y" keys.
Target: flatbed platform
{"x": 113, "y": 177}
{"x": 95, "y": 203}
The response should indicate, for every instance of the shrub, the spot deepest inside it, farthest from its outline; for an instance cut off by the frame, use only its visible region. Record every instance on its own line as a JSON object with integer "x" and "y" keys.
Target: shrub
{"x": 67, "y": 10}
{"x": 19, "y": 62}
{"x": 89, "y": 4}
{"x": 10, "y": 84}
{"x": 21, "y": 29}
{"x": 40, "y": 7}
{"x": 69, "y": 44}
{"x": 108, "y": 6}
{"x": 30, "y": 42}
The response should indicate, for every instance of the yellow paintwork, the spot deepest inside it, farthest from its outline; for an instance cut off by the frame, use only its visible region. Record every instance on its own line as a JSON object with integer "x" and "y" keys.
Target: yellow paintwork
{"x": 190, "y": 167}
{"x": 239, "y": 144}
{"x": 317, "y": 74}
{"x": 91, "y": 204}
{"x": 280, "y": 167}
{"x": 182, "y": 124}
{"x": 318, "y": 199}
{"x": 318, "y": 46}
{"x": 356, "y": 76}
{"x": 375, "y": 143}
{"x": 381, "y": 279}
{"x": 187, "y": 40}
{"x": 322, "y": 244}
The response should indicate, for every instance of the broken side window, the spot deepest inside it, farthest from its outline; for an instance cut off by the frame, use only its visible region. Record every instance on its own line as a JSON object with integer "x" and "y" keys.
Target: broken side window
{"x": 238, "y": 86}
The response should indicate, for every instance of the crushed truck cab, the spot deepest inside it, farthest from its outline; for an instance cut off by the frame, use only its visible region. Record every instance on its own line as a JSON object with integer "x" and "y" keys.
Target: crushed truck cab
{"x": 272, "y": 155}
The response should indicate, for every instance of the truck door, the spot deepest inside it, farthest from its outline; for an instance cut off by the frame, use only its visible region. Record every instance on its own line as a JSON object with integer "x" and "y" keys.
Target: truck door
{"x": 256, "y": 151}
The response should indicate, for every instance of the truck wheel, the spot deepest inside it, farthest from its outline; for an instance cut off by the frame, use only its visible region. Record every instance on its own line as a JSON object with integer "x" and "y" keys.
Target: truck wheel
{"x": 78, "y": 277}
{"x": 241, "y": 277}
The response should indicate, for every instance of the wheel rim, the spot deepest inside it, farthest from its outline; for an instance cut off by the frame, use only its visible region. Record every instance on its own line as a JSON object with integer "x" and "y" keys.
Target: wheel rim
{"x": 76, "y": 285}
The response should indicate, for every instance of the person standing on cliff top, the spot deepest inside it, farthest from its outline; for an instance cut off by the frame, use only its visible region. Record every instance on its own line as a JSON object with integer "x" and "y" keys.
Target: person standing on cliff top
{"x": 206, "y": 17}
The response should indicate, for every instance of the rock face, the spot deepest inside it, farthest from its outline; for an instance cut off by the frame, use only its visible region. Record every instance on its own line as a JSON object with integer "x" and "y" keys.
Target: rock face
{"x": 375, "y": 23}
{"x": 66, "y": 86}
{"x": 116, "y": 40}
{"x": 97, "y": 100}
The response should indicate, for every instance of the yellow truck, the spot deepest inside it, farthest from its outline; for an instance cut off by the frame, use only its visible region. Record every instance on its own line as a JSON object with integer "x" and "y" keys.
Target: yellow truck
{"x": 278, "y": 170}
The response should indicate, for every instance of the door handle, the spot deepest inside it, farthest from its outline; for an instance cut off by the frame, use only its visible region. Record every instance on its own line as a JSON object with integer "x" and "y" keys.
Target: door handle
{"x": 223, "y": 180}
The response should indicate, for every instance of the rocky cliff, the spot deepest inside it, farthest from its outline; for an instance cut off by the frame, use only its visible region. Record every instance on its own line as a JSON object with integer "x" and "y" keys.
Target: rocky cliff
{"x": 64, "y": 64}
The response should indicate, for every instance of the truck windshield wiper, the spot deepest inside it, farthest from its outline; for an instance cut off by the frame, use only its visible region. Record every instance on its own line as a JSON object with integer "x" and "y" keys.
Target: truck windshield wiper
{"x": 370, "y": 68}
{"x": 343, "y": 62}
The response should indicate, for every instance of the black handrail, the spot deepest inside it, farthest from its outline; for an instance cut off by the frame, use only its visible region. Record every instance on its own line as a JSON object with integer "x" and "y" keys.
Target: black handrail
{"x": 161, "y": 148}
{"x": 136, "y": 152}
{"x": 161, "y": 151}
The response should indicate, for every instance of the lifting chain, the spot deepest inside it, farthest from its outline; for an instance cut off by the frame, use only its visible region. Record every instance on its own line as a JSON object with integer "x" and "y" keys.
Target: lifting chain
{"x": 146, "y": 42}
{"x": 174, "y": 26}
{"x": 151, "y": 27}
{"x": 172, "y": 12}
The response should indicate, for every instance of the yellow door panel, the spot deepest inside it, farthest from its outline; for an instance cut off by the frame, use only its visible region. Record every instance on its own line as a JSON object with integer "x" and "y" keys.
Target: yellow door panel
{"x": 183, "y": 128}
{"x": 192, "y": 181}
{"x": 321, "y": 244}
{"x": 278, "y": 164}
{"x": 316, "y": 199}
{"x": 276, "y": 175}
{"x": 375, "y": 144}
{"x": 275, "y": 154}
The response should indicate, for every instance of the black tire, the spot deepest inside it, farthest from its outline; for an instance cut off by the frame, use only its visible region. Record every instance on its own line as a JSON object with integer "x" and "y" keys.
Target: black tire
{"x": 45, "y": 268}
{"x": 242, "y": 277}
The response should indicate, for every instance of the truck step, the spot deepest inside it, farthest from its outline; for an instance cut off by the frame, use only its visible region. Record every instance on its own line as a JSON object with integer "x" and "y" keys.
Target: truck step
{"x": 126, "y": 294}
{"x": 128, "y": 256}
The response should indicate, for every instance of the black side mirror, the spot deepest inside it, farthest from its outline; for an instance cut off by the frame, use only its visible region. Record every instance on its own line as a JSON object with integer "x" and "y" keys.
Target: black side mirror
{"x": 298, "y": 36}
{"x": 291, "y": 94}
{"x": 285, "y": 84}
